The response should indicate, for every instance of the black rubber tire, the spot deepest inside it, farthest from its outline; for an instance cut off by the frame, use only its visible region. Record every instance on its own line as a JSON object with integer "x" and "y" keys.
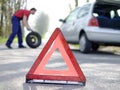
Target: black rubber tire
{"x": 33, "y": 40}
{"x": 95, "y": 47}
{"x": 85, "y": 44}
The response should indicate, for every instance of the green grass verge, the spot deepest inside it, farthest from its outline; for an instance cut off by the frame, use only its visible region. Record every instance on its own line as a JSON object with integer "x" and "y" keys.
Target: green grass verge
{"x": 3, "y": 40}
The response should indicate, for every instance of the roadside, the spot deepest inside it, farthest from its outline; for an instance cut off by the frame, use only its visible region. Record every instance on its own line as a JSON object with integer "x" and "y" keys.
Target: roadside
{"x": 114, "y": 49}
{"x": 2, "y": 40}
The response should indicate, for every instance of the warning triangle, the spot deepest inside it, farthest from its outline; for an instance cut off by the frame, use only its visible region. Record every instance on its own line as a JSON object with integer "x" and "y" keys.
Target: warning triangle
{"x": 72, "y": 73}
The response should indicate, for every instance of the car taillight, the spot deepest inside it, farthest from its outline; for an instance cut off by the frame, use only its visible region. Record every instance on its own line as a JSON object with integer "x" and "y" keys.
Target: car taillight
{"x": 93, "y": 22}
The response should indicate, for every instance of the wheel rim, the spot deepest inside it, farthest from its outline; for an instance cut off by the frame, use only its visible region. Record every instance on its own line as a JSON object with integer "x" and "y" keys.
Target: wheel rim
{"x": 33, "y": 39}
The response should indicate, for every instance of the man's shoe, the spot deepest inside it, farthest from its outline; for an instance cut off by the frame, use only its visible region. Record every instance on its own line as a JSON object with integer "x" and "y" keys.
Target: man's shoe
{"x": 8, "y": 46}
{"x": 22, "y": 46}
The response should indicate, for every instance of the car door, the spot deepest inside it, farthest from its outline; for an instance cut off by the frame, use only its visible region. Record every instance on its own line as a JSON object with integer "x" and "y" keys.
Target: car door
{"x": 111, "y": 33}
{"x": 114, "y": 33}
{"x": 81, "y": 21}
{"x": 68, "y": 25}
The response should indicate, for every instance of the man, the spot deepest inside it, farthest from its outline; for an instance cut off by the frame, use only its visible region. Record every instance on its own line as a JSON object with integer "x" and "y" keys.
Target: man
{"x": 16, "y": 26}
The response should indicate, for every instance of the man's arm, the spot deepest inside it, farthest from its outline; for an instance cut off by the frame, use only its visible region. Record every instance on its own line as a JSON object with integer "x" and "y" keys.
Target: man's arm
{"x": 25, "y": 22}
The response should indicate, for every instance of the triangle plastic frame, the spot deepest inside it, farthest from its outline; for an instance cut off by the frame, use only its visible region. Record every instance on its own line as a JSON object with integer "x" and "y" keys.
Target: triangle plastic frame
{"x": 38, "y": 70}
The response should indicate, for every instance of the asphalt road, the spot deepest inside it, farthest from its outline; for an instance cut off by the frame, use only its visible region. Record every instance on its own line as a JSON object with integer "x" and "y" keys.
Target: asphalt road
{"x": 102, "y": 69}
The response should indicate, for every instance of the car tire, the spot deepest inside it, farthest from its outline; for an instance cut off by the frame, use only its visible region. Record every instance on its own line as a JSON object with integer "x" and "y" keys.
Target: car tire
{"x": 85, "y": 44}
{"x": 95, "y": 47}
{"x": 33, "y": 40}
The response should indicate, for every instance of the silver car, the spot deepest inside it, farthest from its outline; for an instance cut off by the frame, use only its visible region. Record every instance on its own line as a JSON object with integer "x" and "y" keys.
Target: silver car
{"x": 92, "y": 25}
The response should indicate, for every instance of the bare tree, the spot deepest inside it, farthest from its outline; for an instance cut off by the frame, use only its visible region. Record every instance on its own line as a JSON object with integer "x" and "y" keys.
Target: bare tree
{"x": 87, "y": 0}
{"x": 76, "y": 3}
{"x": 7, "y": 7}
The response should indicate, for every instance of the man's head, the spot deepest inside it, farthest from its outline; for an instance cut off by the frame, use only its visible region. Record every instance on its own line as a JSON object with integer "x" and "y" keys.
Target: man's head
{"x": 33, "y": 10}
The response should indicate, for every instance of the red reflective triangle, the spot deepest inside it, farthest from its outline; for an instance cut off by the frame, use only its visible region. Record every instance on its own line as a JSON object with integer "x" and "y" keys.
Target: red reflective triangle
{"x": 38, "y": 70}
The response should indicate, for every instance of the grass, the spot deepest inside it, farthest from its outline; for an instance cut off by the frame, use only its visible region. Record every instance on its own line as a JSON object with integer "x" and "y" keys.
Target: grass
{"x": 3, "y": 40}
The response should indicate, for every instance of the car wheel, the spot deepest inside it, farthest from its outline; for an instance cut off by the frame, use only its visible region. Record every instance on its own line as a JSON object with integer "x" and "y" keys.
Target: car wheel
{"x": 95, "y": 47}
{"x": 85, "y": 44}
{"x": 33, "y": 39}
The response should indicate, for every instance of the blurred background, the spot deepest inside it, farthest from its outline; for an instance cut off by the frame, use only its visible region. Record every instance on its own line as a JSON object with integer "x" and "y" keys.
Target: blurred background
{"x": 44, "y": 21}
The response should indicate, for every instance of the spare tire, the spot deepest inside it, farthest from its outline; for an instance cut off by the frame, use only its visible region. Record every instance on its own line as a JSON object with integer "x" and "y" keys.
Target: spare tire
{"x": 33, "y": 39}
